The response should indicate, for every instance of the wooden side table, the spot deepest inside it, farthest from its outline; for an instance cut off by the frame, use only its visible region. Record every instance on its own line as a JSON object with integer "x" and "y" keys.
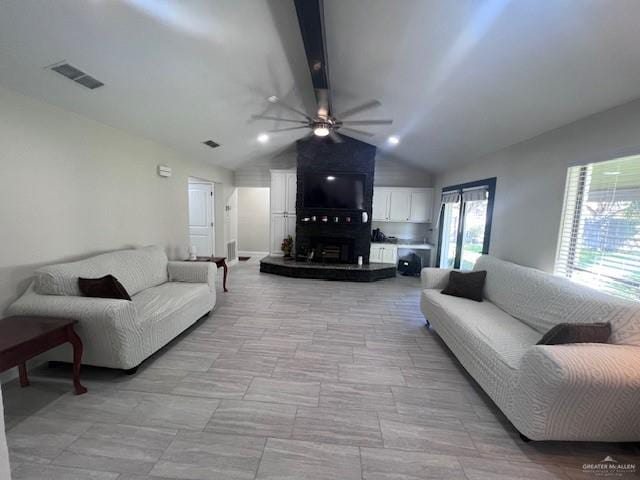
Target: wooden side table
{"x": 221, "y": 262}
{"x": 24, "y": 337}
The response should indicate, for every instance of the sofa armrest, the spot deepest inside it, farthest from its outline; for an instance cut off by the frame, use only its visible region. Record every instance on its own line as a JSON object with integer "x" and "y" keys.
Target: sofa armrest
{"x": 435, "y": 278}
{"x": 106, "y": 325}
{"x": 579, "y": 391}
{"x": 193, "y": 272}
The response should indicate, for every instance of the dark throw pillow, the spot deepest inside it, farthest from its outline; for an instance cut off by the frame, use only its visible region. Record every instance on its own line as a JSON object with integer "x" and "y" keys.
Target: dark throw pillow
{"x": 577, "y": 333}
{"x": 466, "y": 285}
{"x": 104, "y": 287}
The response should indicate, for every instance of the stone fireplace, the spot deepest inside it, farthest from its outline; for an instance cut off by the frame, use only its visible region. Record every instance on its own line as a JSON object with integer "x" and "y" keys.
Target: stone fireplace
{"x": 330, "y": 240}
{"x": 333, "y": 235}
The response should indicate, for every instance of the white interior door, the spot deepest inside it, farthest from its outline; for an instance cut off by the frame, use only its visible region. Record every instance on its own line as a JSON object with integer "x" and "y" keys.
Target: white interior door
{"x": 201, "y": 233}
{"x": 399, "y": 202}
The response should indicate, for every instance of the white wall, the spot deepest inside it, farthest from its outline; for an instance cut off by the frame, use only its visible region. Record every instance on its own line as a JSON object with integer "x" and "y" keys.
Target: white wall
{"x": 5, "y": 473}
{"x": 253, "y": 219}
{"x": 531, "y": 180}
{"x": 392, "y": 173}
{"x": 71, "y": 187}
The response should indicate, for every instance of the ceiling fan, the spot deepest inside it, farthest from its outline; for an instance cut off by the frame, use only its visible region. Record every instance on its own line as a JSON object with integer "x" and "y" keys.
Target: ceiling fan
{"x": 324, "y": 123}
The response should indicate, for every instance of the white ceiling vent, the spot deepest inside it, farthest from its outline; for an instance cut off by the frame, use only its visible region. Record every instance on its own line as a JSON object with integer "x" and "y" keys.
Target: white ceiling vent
{"x": 77, "y": 75}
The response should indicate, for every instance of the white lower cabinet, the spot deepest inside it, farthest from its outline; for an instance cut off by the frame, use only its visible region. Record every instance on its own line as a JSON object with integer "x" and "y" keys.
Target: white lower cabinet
{"x": 383, "y": 253}
{"x": 282, "y": 225}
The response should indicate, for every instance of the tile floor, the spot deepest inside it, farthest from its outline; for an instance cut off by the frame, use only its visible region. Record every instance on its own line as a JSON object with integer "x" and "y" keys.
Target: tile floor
{"x": 288, "y": 379}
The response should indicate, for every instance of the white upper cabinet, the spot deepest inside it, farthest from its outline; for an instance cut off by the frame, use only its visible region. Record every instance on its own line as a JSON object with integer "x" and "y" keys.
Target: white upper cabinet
{"x": 421, "y": 206}
{"x": 283, "y": 191}
{"x": 399, "y": 204}
{"x": 292, "y": 187}
{"x": 381, "y": 204}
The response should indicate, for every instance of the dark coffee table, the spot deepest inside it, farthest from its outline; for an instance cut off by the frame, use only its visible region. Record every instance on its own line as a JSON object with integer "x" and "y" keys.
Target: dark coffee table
{"x": 24, "y": 337}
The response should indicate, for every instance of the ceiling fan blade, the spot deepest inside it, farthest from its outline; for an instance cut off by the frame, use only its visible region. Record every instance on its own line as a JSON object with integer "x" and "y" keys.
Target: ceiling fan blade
{"x": 335, "y": 137}
{"x": 367, "y": 122}
{"x": 359, "y": 132}
{"x": 361, "y": 108}
{"x": 286, "y": 129}
{"x": 276, "y": 101}
{"x": 267, "y": 117}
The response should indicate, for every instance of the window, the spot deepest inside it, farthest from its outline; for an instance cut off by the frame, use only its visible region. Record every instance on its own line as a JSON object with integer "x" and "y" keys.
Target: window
{"x": 465, "y": 223}
{"x": 600, "y": 231}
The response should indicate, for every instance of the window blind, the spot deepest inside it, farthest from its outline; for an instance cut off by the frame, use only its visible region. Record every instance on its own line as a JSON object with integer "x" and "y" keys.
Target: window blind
{"x": 475, "y": 194}
{"x": 450, "y": 197}
{"x": 600, "y": 231}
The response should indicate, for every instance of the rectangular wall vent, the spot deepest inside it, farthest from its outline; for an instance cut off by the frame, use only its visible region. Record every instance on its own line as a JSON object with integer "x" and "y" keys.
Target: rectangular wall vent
{"x": 231, "y": 250}
{"x": 211, "y": 143}
{"x": 77, "y": 75}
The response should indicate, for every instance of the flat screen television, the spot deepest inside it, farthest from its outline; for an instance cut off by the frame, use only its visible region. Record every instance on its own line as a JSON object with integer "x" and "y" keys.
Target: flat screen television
{"x": 334, "y": 190}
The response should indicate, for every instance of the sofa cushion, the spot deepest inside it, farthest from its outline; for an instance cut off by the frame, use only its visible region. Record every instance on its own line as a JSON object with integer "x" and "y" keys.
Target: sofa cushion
{"x": 542, "y": 300}
{"x": 565, "y": 333}
{"x": 136, "y": 269}
{"x": 466, "y": 285}
{"x": 103, "y": 287}
{"x": 498, "y": 336}
{"x": 156, "y": 303}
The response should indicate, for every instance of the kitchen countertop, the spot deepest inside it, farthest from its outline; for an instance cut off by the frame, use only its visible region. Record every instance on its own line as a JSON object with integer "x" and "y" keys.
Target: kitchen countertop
{"x": 409, "y": 244}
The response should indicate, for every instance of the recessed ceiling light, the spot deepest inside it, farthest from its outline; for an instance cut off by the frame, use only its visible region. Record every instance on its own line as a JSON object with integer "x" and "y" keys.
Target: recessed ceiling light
{"x": 263, "y": 138}
{"x": 393, "y": 140}
{"x": 331, "y": 178}
{"x": 272, "y": 99}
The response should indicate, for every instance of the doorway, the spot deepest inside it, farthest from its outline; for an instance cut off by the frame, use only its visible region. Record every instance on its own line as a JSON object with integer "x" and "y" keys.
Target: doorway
{"x": 465, "y": 223}
{"x": 201, "y": 217}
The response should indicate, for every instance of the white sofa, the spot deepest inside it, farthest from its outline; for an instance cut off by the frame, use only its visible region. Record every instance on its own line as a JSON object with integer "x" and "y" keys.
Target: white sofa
{"x": 166, "y": 298}
{"x": 583, "y": 392}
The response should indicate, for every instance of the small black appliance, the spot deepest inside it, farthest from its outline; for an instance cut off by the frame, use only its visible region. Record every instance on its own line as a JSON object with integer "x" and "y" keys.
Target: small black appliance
{"x": 410, "y": 265}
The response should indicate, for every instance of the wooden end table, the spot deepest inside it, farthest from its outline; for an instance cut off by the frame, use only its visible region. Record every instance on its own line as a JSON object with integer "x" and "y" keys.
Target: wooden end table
{"x": 24, "y": 337}
{"x": 220, "y": 263}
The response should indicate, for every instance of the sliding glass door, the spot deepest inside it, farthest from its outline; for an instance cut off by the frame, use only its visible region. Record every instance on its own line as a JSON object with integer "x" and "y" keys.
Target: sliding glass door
{"x": 448, "y": 244}
{"x": 465, "y": 223}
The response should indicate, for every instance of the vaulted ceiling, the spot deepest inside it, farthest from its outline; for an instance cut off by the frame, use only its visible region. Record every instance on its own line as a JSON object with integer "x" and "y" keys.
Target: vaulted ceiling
{"x": 460, "y": 78}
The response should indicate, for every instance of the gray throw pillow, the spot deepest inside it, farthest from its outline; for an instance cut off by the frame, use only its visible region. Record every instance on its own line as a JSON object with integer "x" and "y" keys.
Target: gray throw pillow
{"x": 466, "y": 285}
{"x": 564, "y": 333}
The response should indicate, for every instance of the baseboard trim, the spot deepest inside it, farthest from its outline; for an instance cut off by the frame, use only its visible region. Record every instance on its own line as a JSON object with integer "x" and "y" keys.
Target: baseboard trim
{"x": 247, "y": 253}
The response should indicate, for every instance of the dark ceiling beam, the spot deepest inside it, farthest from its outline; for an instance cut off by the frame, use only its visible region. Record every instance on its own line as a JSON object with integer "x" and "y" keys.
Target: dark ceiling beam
{"x": 311, "y": 20}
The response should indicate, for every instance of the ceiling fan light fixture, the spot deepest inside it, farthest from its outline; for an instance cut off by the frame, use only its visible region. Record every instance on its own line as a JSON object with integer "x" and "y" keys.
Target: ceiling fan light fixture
{"x": 321, "y": 130}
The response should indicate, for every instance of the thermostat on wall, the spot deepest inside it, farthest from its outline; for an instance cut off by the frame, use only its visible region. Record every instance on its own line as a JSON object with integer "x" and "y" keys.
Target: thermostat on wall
{"x": 164, "y": 171}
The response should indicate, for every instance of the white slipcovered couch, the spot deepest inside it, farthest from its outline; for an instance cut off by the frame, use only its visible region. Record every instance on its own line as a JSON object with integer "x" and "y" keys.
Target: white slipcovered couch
{"x": 166, "y": 298}
{"x": 584, "y": 392}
